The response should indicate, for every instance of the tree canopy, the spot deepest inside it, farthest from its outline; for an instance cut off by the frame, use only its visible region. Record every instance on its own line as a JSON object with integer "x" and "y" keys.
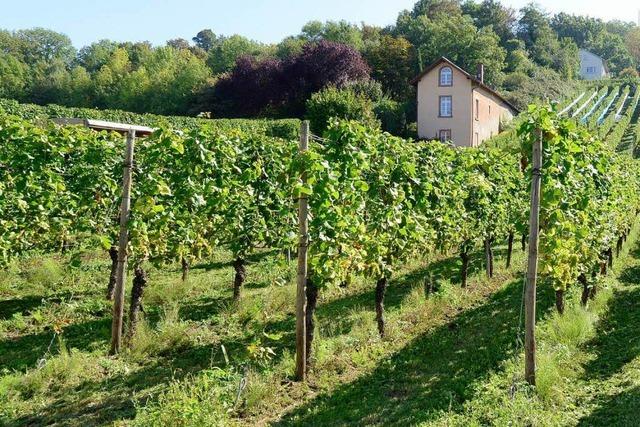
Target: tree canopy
{"x": 521, "y": 50}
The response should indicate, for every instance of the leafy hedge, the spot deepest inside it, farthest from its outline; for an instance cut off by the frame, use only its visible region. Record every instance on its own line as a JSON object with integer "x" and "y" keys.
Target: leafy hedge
{"x": 285, "y": 128}
{"x": 343, "y": 104}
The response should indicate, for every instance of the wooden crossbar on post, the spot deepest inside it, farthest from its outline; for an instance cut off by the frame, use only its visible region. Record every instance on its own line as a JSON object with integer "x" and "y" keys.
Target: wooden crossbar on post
{"x": 532, "y": 267}
{"x": 121, "y": 271}
{"x": 301, "y": 298}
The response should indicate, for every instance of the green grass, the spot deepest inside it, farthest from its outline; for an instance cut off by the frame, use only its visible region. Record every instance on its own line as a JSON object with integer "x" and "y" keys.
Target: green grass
{"x": 449, "y": 358}
{"x": 588, "y": 364}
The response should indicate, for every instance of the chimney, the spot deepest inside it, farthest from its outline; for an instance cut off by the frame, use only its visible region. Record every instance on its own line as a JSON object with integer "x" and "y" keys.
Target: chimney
{"x": 481, "y": 73}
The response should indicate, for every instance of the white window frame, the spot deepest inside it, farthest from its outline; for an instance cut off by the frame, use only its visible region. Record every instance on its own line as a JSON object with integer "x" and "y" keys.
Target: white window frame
{"x": 444, "y": 135}
{"x": 447, "y": 72}
{"x": 442, "y": 103}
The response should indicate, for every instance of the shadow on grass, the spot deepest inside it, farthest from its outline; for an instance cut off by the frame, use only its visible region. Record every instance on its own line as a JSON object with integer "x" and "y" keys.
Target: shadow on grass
{"x": 103, "y": 402}
{"x": 617, "y": 340}
{"x": 334, "y": 313}
{"x": 29, "y": 303}
{"x": 433, "y": 373}
{"x": 112, "y": 399}
{"x": 19, "y": 306}
{"x": 205, "y": 308}
{"x": 622, "y": 409}
{"x": 23, "y": 352}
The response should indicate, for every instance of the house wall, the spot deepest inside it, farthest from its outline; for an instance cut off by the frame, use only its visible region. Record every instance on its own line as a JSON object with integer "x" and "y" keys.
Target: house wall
{"x": 491, "y": 111}
{"x": 429, "y": 122}
{"x": 587, "y": 60}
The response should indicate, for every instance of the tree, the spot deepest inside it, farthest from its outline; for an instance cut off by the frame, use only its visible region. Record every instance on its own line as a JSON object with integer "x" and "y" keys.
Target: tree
{"x": 108, "y": 79}
{"x": 290, "y": 47}
{"x": 613, "y": 49}
{"x": 633, "y": 44}
{"x": 11, "y": 45}
{"x": 491, "y": 13}
{"x": 97, "y": 54}
{"x": 609, "y": 40}
{"x": 50, "y": 81}
{"x": 205, "y": 40}
{"x": 458, "y": 39}
{"x": 619, "y": 27}
{"x": 176, "y": 76}
{"x": 336, "y": 103}
{"x": 393, "y": 63}
{"x": 39, "y": 44}
{"x": 274, "y": 87}
{"x": 14, "y": 76}
{"x": 372, "y": 34}
{"x": 629, "y": 73}
{"x": 534, "y": 28}
{"x": 179, "y": 44}
{"x": 320, "y": 65}
{"x": 225, "y": 52}
{"x": 78, "y": 89}
{"x": 164, "y": 83}
{"x": 312, "y": 31}
{"x": 581, "y": 29}
{"x": 533, "y": 24}
{"x": 62, "y": 86}
{"x": 522, "y": 88}
{"x": 182, "y": 44}
{"x": 517, "y": 57}
{"x": 433, "y": 8}
{"x": 567, "y": 61}
{"x": 339, "y": 32}
{"x": 249, "y": 89}
{"x": 138, "y": 52}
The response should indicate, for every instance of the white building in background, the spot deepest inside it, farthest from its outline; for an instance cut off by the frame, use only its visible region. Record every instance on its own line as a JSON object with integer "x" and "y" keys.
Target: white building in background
{"x": 592, "y": 67}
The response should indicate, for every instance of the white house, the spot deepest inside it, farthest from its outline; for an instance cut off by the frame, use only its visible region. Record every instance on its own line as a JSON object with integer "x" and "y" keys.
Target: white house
{"x": 592, "y": 67}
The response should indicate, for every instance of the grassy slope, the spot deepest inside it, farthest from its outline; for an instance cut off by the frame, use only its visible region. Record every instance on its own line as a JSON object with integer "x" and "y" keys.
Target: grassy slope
{"x": 588, "y": 364}
{"x": 180, "y": 346}
{"x": 450, "y": 359}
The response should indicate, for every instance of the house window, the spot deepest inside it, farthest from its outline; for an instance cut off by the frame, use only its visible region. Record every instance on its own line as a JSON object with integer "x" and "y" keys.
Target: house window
{"x": 591, "y": 70}
{"x": 445, "y": 135}
{"x": 446, "y": 107}
{"x": 477, "y": 109}
{"x": 446, "y": 76}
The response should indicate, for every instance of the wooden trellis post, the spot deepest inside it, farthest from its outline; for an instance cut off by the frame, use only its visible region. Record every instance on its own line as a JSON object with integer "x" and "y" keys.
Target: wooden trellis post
{"x": 121, "y": 271}
{"x": 125, "y": 207}
{"x": 532, "y": 268}
{"x": 301, "y": 298}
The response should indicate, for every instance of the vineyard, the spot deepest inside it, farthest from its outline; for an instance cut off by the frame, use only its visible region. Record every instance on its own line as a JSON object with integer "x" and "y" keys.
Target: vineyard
{"x": 287, "y": 129}
{"x": 398, "y": 231}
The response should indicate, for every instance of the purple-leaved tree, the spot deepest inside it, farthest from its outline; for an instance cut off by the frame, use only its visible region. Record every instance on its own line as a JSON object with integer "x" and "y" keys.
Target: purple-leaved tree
{"x": 280, "y": 88}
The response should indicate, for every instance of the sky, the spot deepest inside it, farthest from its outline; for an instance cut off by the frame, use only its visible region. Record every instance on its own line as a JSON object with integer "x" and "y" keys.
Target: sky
{"x": 268, "y": 21}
